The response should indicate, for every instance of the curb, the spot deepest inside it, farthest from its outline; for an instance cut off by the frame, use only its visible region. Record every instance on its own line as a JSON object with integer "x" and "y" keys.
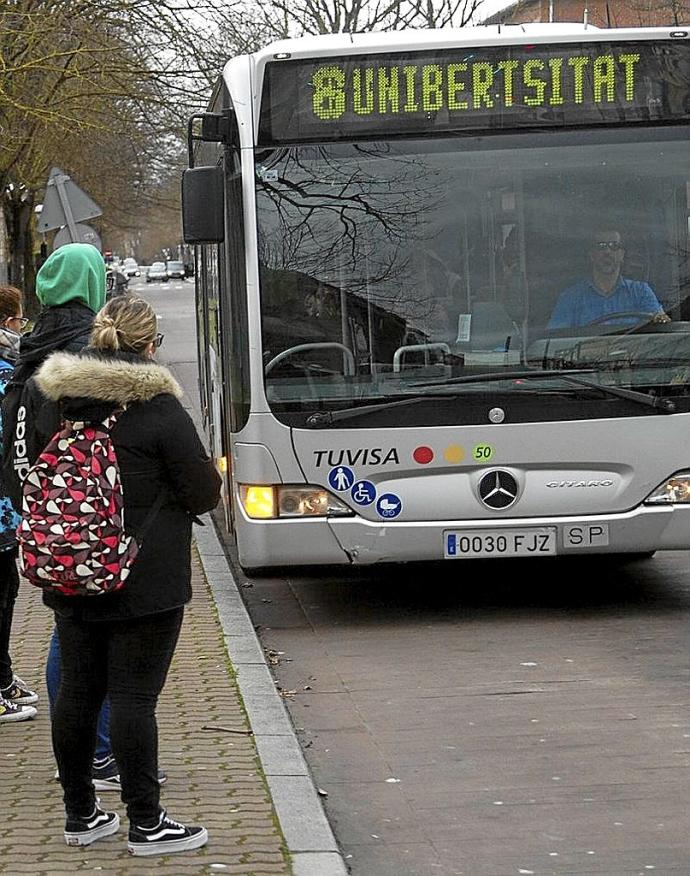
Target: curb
{"x": 308, "y": 835}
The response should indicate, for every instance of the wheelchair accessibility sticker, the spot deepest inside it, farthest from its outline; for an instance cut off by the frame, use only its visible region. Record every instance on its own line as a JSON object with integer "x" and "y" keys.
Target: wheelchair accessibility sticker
{"x": 389, "y": 506}
{"x": 341, "y": 478}
{"x": 363, "y": 492}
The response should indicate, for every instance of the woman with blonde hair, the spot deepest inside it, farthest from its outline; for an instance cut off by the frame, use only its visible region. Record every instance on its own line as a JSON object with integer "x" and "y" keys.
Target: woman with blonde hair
{"x": 121, "y": 644}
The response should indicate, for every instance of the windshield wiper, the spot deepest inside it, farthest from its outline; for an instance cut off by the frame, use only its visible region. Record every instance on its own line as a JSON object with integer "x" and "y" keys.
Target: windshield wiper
{"x": 570, "y": 375}
{"x": 326, "y": 418}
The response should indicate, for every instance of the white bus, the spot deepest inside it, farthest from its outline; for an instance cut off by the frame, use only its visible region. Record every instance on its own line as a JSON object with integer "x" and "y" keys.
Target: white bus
{"x": 443, "y": 293}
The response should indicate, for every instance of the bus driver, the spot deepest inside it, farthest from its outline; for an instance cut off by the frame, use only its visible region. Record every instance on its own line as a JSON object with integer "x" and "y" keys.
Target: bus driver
{"x": 607, "y": 292}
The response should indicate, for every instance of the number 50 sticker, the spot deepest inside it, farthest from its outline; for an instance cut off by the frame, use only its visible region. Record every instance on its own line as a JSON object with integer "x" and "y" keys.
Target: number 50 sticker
{"x": 482, "y": 452}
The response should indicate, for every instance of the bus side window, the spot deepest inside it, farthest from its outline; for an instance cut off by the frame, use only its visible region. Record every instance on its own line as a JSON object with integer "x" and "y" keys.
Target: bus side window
{"x": 234, "y": 298}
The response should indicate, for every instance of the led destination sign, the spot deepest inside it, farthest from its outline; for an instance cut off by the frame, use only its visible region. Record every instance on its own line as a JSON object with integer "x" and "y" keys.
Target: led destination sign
{"x": 471, "y": 85}
{"x": 475, "y": 89}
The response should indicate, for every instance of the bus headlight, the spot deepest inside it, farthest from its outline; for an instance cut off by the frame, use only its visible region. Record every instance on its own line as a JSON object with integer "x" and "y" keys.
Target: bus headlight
{"x": 259, "y": 502}
{"x": 674, "y": 491}
{"x": 267, "y": 502}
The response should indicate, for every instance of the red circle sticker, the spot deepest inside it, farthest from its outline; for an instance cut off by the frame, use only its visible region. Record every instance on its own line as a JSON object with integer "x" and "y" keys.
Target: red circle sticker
{"x": 423, "y": 455}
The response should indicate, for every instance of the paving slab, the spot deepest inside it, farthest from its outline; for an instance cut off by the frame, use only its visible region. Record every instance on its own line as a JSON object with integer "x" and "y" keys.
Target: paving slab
{"x": 214, "y": 772}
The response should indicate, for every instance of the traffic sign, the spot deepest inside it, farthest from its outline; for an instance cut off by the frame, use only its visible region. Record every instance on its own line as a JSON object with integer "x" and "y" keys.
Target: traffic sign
{"x": 65, "y": 203}
{"x": 84, "y": 234}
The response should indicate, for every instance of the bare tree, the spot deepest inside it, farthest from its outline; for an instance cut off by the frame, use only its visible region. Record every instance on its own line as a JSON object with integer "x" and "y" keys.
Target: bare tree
{"x": 245, "y": 29}
{"x": 100, "y": 88}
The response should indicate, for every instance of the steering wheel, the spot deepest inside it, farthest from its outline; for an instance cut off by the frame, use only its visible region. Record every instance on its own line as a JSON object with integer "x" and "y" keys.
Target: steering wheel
{"x": 349, "y": 367}
{"x": 640, "y": 317}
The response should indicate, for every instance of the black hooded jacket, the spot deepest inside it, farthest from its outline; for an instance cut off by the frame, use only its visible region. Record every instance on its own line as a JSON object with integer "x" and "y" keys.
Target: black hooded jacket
{"x": 26, "y": 417}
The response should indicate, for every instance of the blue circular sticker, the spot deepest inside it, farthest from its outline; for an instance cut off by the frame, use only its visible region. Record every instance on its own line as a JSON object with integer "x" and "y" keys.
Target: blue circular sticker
{"x": 363, "y": 492}
{"x": 341, "y": 478}
{"x": 389, "y": 505}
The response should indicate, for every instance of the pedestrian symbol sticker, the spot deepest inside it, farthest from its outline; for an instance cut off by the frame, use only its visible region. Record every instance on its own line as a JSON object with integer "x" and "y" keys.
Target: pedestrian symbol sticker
{"x": 363, "y": 492}
{"x": 341, "y": 478}
{"x": 389, "y": 505}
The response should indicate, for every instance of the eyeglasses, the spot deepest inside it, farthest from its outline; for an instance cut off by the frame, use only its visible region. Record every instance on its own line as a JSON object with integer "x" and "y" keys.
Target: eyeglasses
{"x": 22, "y": 320}
{"x": 613, "y": 245}
{"x": 158, "y": 340}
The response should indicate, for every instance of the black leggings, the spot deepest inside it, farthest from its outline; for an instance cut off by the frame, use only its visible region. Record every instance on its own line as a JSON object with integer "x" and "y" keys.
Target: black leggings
{"x": 9, "y": 587}
{"x": 128, "y": 660}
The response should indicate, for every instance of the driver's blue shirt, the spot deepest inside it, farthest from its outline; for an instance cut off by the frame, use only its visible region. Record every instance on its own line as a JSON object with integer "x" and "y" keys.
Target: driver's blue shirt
{"x": 582, "y": 302}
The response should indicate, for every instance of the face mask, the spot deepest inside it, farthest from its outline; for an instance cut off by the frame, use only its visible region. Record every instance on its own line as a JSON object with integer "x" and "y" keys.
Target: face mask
{"x": 9, "y": 344}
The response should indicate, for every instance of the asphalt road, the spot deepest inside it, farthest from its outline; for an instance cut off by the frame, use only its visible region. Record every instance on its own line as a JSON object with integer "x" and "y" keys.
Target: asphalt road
{"x": 484, "y": 718}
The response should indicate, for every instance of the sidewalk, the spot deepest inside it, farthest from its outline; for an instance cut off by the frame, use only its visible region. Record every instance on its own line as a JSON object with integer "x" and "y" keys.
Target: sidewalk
{"x": 214, "y": 775}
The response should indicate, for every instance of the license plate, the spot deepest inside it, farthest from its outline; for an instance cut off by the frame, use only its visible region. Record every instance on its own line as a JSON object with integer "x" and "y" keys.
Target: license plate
{"x": 527, "y": 542}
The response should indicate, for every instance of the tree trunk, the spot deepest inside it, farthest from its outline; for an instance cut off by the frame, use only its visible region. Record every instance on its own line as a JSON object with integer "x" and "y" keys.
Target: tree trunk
{"x": 19, "y": 214}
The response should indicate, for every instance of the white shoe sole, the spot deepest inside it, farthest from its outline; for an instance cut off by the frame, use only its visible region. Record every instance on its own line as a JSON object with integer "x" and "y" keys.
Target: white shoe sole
{"x": 86, "y": 837}
{"x": 25, "y": 713}
{"x": 98, "y": 784}
{"x": 25, "y": 701}
{"x": 168, "y": 847}
{"x": 107, "y": 785}
{"x": 110, "y": 785}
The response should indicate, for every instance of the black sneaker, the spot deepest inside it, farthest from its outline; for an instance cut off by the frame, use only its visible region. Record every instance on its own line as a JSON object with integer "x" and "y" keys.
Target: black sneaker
{"x": 106, "y": 775}
{"x": 84, "y": 831}
{"x": 10, "y": 711}
{"x": 19, "y": 693}
{"x": 166, "y": 837}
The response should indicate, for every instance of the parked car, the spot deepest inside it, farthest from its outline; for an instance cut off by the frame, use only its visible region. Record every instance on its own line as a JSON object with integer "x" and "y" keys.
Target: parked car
{"x": 175, "y": 270}
{"x": 130, "y": 268}
{"x": 157, "y": 273}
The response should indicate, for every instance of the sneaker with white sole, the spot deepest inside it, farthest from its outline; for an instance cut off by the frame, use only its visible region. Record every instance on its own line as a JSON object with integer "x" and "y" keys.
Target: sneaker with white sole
{"x": 165, "y": 837}
{"x": 18, "y": 693}
{"x": 106, "y": 775}
{"x": 84, "y": 831}
{"x": 10, "y": 711}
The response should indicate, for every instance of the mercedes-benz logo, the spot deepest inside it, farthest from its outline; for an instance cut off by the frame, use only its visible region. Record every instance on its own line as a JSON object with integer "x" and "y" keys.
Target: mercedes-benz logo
{"x": 498, "y": 489}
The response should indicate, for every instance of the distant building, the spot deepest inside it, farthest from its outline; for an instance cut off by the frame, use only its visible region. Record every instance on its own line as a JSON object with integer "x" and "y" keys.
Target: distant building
{"x": 601, "y": 13}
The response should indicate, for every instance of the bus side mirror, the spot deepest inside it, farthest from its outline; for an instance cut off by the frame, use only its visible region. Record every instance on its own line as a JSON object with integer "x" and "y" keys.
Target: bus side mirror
{"x": 202, "y": 205}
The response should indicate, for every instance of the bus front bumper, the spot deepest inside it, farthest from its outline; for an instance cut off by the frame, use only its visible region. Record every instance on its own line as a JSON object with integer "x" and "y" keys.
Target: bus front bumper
{"x": 354, "y": 540}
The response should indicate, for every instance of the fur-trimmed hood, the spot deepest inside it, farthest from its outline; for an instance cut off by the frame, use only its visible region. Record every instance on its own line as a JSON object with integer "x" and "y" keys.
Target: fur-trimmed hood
{"x": 117, "y": 380}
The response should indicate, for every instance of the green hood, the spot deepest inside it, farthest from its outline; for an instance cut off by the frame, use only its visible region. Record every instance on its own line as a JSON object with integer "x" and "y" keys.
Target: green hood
{"x": 74, "y": 272}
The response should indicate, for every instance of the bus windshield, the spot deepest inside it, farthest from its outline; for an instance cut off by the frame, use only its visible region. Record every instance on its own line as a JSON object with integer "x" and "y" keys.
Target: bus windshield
{"x": 385, "y": 264}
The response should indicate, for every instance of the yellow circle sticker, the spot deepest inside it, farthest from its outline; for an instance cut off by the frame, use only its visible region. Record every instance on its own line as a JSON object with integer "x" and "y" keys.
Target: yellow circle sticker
{"x": 454, "y": 454}
{"x": 482, "y": 452}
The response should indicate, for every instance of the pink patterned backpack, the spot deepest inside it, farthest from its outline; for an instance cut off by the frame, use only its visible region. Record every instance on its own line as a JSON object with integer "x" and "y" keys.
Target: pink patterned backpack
{"x": 72, "y": 537}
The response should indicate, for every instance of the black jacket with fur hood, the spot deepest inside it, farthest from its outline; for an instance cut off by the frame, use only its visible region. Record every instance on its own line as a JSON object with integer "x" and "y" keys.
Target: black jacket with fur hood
{"x": 158, "y": 449}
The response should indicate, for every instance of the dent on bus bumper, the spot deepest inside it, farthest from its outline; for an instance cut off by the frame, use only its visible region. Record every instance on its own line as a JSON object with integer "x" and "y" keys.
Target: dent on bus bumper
{"x": 288, "y": 543}
{"x": 353, "y": 540}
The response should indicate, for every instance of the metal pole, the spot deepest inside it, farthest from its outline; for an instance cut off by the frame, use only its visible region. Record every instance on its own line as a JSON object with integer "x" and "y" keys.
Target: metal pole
{"x": 59, "y": 182}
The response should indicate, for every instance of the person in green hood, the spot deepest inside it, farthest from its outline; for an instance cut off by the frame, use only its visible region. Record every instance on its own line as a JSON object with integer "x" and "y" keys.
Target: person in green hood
{"x": 73, "y": 273}
{"x": 71, "y": 289}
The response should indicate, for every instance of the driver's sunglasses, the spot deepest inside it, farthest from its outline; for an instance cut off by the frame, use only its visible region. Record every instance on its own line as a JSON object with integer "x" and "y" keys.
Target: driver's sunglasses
{"x": 158, "y": 340}
{"x": 613, "y": 245}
